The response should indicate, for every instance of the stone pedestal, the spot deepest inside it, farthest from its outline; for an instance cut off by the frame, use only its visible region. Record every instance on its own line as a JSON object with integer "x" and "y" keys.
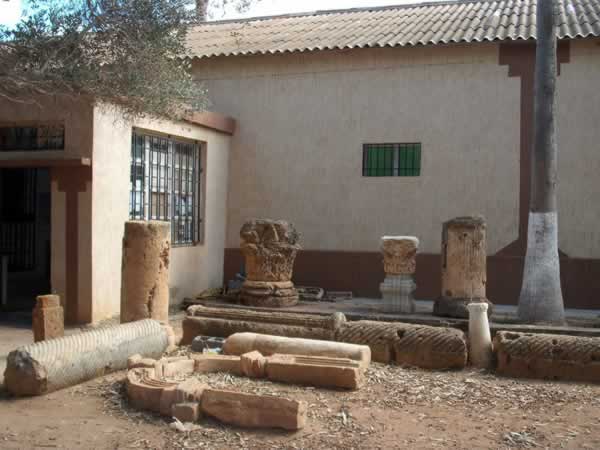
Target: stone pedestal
{"x": 270, "y": 248}
{"x": 145, "y": 271}
{"x": 463, "y": 267}
{"x": 48, "y": 318}
{"x": 399, "y": 263}
{"x": 480, "y": 339}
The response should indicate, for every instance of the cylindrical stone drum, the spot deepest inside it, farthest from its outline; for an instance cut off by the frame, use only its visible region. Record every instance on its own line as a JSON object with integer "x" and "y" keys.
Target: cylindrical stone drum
{"x": 145, "y": 271}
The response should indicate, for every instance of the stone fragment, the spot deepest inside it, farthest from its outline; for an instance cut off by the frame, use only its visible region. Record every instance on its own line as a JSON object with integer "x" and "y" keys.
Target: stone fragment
{"x": 315, "y": 371}
{"x": 189, "y": 390}
{"x": 463, "y": 266}
{"x": 48, "y": 318}
{"x": 223, "y": 322}
{"x": 256, "y": 411}
{"x": 241, "y": 343}
{"x": 270, "y": 248}
{"x": 253, "y": 364}
{"x": 407, "y": 344}
{"x": 186, "y": 412}
{"x": 145, "y": 271}
{"x": 547, "y": 356}
{"x": 481, "y": 354}
{"x": 144, "y": 391}
{"x": 137, "y": 361}
{"x": 167, "y": 400}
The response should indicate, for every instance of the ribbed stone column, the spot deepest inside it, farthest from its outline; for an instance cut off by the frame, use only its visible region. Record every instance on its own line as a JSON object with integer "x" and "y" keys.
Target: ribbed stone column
{"x": 463, "y": 266}
{"x": 145, "y": 271}
{"x": 399, "y": 264}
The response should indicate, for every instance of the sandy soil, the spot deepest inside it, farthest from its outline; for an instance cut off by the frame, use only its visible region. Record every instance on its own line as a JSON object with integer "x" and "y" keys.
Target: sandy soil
{"x": 398, "y": 408}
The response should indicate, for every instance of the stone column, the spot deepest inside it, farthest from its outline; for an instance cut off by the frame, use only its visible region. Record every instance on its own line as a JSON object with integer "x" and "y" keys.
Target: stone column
{"x": 48, "y": 318}
{"x": 463, "y": 266}
{"x": 270, "y": 249}
{"x": 145, "y": 271}
{"x": 399, "y": 264}
{"x": 480, "y": 339}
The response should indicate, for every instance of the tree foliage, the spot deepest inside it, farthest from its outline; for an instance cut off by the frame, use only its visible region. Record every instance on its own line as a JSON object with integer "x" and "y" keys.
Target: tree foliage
{"x": 130, "y": 52}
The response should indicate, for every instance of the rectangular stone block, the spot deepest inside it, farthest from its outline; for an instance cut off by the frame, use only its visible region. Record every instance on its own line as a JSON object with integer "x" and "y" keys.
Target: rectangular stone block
{"x": 206, "y": 363}
{"x": 254, "y": 411}
{"x": 315, "y": 371}
{"x": 48, "y": 318}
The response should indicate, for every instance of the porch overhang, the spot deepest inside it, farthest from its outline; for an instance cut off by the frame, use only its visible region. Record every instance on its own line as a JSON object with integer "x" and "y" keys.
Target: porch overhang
{"x": 21, "y": 163}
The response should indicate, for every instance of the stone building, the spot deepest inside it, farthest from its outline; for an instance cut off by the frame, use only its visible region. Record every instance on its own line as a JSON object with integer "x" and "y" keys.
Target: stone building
{"x": 361, "y": 123}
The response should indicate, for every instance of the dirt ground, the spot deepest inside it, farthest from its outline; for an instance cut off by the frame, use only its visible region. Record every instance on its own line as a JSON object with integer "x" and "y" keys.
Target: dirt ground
{"x": 398, "y": 408}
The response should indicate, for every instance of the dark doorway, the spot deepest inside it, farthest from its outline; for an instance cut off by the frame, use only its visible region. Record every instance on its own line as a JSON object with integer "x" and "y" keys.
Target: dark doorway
{"x": 24, "y": 237}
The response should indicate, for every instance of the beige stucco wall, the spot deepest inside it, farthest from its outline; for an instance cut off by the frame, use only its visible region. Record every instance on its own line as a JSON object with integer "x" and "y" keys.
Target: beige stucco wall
{"x": 193, "y": 269}
{"x": 297, "y": 153}
{"x": 578, "y": 110}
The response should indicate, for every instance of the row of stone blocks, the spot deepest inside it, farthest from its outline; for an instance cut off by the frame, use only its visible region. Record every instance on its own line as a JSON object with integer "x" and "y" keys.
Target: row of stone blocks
{"x": 416, "y": 345}
{"x": 528, "y": 355}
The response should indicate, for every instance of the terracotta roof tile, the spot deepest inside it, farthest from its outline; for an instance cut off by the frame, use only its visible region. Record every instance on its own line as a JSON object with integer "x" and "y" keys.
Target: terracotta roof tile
{"x": 391, "y": 26}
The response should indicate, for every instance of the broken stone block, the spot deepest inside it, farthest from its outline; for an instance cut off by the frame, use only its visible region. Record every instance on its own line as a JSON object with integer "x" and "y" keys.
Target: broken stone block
{"x": 145, "y": 271}
{"x": 547, "y": 356}
{"x": 48, "y": 318}
{"x": 253, "y": 364}
{"x": 201, "y": 343}
{"x": 399, "y": 263}
{"x": 270, "y": 248}
{"x": 315, "y": 371}
{"x": 186, "y": 412}
{"x": 189, "y": 390}
{"x": 463, "y": 267}
{"x": 206, "y": 363}
{"x": 257, "y": 411}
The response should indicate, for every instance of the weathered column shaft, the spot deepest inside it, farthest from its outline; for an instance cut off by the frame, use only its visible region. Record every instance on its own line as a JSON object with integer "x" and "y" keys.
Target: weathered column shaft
{"x": 481, "y": 354}
{"x": 463, "y": 266}
{"x": 145, "y": 271}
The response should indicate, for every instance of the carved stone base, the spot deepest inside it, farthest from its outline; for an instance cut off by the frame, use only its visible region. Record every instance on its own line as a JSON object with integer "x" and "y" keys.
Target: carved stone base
{"x": 457, "y": 307}
{"x": 268, "y": 293}
{"x": 397, "y": 292}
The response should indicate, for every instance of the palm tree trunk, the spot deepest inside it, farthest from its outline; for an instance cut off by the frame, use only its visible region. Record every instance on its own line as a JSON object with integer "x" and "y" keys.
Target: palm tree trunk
{"x": 541, "y": 296}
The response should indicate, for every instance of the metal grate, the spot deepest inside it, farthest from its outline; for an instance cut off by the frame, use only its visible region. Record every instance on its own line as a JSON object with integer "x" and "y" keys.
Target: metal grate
{"x": 32, "y": 138}
{"x": 388, "y": 160}
{"x": 165, "y": 181}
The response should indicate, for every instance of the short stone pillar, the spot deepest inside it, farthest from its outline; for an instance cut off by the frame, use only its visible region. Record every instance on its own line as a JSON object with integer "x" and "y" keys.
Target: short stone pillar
{"x": 463, "y": 266}
{"x": 270, "y": 248}
{"x": 48, "y": 318}
{"x": 399, "y": 264}
{"x": 145, "y": 271}
{"x": 481, "y": 354}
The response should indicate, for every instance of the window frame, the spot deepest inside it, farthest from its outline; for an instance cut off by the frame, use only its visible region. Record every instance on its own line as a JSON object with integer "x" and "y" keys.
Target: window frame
{"x": 161, "y": 175}
{"x": 49, "y": 136}
{"x": 390, "y": 166}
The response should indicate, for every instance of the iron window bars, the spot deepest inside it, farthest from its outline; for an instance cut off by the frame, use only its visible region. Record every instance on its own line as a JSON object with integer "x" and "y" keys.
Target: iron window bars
{"x": 165, "y": 184}
{"x": 32, "y": 137}
{"x": 387, "y": 160}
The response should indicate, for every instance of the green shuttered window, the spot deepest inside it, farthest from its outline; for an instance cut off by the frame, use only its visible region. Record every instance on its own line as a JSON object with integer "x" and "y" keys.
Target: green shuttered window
{"x": 392, "y": 160}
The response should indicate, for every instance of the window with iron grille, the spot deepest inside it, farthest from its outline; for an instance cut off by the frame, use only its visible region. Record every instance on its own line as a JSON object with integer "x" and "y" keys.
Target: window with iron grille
{"x": 165, "y": 184}
{"x": 32, "y": 137}
{"x": 392, "y": 160}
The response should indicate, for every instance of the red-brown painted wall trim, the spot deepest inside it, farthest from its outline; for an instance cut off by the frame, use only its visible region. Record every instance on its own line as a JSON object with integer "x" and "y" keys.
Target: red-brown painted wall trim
{"x": 361, "y": 273}
{"x": 212, "y": 120}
